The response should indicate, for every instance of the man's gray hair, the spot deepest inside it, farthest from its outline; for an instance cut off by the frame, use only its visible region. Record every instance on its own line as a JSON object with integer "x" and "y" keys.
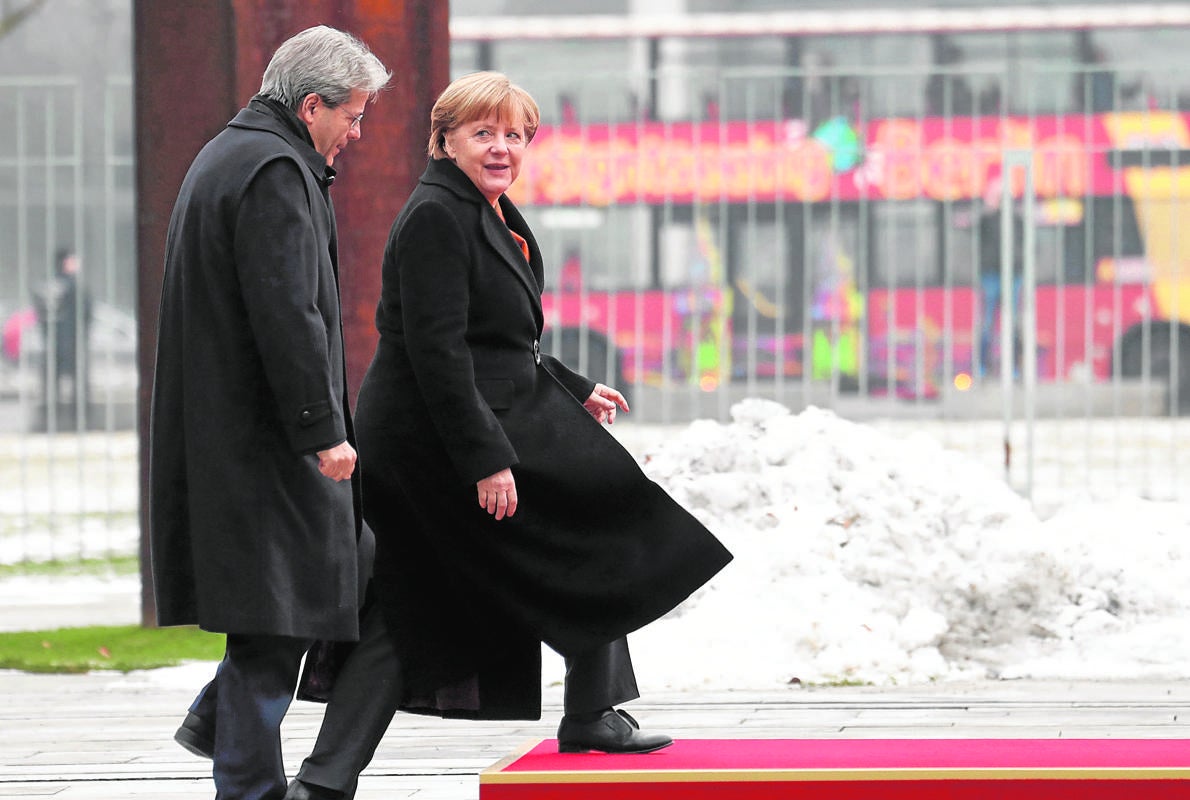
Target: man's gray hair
{"x": 325, "y": 62}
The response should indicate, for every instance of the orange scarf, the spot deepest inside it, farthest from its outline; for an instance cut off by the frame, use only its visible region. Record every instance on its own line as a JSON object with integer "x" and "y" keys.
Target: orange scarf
{"x": 520, "y": 240}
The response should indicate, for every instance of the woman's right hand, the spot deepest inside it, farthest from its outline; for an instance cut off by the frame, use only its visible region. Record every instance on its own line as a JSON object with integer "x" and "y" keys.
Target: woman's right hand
{"x": 497, "y": 494}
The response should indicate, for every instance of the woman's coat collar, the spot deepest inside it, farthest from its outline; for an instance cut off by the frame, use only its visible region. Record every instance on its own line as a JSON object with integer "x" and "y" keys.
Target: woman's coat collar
{"x": 444, "y": 173}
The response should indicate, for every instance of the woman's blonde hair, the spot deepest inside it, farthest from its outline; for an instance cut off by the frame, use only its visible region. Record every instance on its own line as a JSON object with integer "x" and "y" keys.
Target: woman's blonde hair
{"x": 477, "y": 96}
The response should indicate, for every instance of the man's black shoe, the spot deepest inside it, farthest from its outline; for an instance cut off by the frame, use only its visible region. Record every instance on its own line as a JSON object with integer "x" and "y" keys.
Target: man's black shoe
{"x": 308, "y": 791}
{"x": 196, "y": 736}
{"x": 614, "y": 732}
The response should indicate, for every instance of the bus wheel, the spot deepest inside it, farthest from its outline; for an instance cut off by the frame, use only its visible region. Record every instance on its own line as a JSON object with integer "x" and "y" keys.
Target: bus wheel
{"x": 567, "y": 346}
{"x": 1162, "y": 364}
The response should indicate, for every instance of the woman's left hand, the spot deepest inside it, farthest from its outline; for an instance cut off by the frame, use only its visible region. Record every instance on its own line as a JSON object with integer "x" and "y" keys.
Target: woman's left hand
{"x": 497, "y": 494}
{"x": 602, "y": 403}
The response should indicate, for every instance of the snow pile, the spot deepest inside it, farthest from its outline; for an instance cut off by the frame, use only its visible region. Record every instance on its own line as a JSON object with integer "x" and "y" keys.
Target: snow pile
{"x": 866, "y": 558}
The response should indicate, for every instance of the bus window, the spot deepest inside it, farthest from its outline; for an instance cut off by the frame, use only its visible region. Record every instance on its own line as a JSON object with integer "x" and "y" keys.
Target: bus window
{"x": 1054, "y": 238}
{"x": 605, "y": 90}
{"x": 1035, "y": 81}
{"x": 1163, "y": 81}
{"x": 904, "y": 245}
{"x": 677, "y": 251}
{"x": 876, "y": 91}
{"x": 1058, "y": 233}
{"x": 593, "y": 249}
{"x": 760, "y": 275}
{"x": 1115, "y": 238}
{"x": 959, "y": 228}
{"x": 784, "y": 267}
{"x": 707, "y": 91}
{"x": 833, "y": 265}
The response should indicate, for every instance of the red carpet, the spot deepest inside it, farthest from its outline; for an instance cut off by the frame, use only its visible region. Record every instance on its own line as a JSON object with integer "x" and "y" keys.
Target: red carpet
{"x": 850, "y": 769}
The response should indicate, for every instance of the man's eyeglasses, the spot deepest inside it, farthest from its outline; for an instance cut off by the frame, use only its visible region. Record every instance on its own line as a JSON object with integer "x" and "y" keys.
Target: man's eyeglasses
{"x": 355, "y": 120}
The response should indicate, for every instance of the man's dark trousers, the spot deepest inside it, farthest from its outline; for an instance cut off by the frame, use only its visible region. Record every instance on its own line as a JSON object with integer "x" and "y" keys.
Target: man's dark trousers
{"x": 244, "y": 704}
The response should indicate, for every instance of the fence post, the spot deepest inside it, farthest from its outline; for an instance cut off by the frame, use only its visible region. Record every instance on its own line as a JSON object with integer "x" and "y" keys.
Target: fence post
{"x": 1022, "y": 160}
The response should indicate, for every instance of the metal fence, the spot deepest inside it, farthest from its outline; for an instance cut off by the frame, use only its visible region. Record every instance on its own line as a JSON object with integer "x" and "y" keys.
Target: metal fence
{"x": 815, "y": 237}
{"x": 835, "y": 238}
{"x": 824, "y": 238}
{"x": 67, "y": 374}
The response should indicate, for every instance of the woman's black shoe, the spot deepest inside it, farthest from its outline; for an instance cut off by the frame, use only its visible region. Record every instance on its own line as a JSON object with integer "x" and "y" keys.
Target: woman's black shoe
{"x": 614, "y": 732}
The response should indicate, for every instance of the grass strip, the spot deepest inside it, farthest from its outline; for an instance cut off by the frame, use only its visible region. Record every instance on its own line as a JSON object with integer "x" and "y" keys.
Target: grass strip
{"x": 115, "y": 565}
{"x": 109, "y": 647}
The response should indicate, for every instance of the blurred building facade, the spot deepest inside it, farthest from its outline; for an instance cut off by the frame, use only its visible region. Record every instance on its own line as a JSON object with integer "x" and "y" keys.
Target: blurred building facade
{"x": 786, "y": 199}
{"x": 694, "y": 241}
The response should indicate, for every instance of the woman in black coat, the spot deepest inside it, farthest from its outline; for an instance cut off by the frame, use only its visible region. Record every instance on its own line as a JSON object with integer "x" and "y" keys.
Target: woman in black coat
{"x": 505, "y": 515}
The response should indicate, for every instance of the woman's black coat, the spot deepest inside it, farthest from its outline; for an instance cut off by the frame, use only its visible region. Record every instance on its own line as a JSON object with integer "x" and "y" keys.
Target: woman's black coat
{"x": 458, "y": 391}
{"x": 247, "y": 535}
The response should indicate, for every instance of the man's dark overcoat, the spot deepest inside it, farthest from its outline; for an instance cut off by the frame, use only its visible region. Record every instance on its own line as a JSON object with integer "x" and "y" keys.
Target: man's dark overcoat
{"x": 247, "y": 535}
{"x": 457, "y": 391}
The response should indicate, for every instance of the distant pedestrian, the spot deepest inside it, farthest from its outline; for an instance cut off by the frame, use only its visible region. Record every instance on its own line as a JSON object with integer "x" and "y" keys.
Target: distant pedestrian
{"x": 990, "y": 280}
{"x": 64, "y": 315}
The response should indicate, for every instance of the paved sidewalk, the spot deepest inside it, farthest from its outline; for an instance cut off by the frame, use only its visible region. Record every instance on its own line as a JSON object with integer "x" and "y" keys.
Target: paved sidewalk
{"x": 107, "y": 735}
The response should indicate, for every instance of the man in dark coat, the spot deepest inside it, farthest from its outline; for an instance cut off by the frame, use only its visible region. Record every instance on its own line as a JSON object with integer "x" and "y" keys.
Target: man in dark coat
{"x": 255, "y": 507}
{"x": 991, "y": 281}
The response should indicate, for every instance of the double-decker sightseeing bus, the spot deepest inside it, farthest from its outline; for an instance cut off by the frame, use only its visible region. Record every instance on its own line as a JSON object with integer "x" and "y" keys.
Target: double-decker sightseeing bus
{"x": 813, "y": 205}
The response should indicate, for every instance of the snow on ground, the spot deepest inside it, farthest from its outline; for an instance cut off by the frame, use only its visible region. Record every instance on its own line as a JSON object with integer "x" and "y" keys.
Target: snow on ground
{"x": 45, "y": 602}
{"x": 861, "y": 555}
{"x": 870, "y": 558}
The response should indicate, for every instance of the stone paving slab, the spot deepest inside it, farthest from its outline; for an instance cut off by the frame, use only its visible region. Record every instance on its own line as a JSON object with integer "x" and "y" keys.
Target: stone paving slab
{"x": 104, "y": 735}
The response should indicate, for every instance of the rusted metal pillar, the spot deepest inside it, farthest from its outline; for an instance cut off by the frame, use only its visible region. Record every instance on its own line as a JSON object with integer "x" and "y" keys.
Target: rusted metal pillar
{"x": 196, "y": 64}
